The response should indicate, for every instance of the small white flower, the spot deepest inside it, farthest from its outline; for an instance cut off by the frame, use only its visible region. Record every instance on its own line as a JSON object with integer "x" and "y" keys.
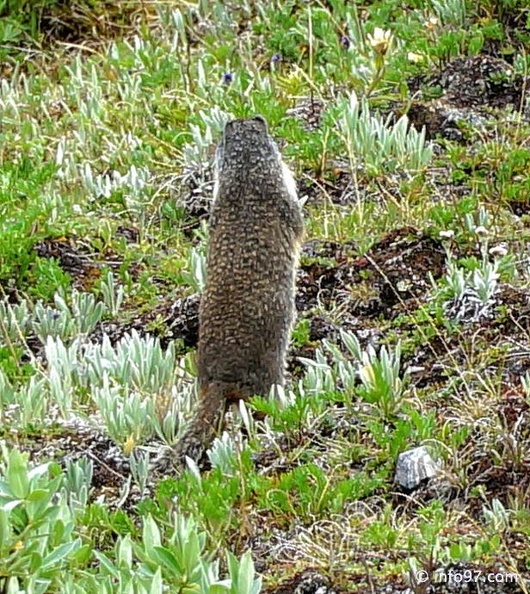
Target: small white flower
{"x": 498, "y": 250}
{"x": 380, "y": 40}
{"x": 481, "y": 230}
{"x": 431, "y": 23}
{"x": 449, "y": 234}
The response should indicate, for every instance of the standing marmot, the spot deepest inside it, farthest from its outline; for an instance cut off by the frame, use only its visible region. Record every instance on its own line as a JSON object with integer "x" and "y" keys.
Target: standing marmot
{"x": 247, "y": 309}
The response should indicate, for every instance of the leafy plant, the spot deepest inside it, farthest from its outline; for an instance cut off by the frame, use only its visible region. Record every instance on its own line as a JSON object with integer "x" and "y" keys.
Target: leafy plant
{"x": 38, "y": 541}
{"x": 377, "y": 145}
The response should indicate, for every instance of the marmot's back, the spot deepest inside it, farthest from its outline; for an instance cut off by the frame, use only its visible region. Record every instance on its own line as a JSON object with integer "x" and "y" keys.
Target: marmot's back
{"x": 247, "y": 308}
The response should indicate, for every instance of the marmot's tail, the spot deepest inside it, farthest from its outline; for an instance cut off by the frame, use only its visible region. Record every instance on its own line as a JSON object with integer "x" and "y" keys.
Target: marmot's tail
{"x": 206, "y": 422}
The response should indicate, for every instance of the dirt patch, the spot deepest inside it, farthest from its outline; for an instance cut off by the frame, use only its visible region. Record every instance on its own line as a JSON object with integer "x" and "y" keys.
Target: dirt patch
{"x": 392, "y": 277}
{"x": 513, "y": 312}
{"x": 502, "y": 483}
{"x": 74, "y": 259}
{"x": 519, "y": 207}
{"x": 82, "y": 23}
{"x": 78, "y": 440}
{"x": 171, "y": 319}
{"x": 308, "y": 581}
{"x": 504, "y": 324}
{"x": 81, "y": 261}
{"x": 440, "y": 119}
{"x": 336, "y": 187}
{"x": 476, "y": 82}
{"x": 508, "y": 478}
{"x": 470, "y": 87}
{"x": 480, "y": 81}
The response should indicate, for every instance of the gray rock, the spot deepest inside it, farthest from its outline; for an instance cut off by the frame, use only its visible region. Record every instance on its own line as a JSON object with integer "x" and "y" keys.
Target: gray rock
{"x": 414, "y": 466}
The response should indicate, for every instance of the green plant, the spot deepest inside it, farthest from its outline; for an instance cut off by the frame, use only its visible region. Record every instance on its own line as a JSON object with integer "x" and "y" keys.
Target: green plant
{"x": 309, "y": 490}
{"x": 65, "y": 322}
{"x": 450, "y": 12}
{"x": 112, "y": 294}
{"x": 301, "y": 334}
{"x": 381, "y": 381}
{"x": 210, "y": 497}
{"x": 37, "y": 526}
{"x": 14, "y": 321}
{"x": 377, "y": 145}
{"x": 379, "y": 374}
{"x": 179, "y": 560}
{"x": 196, "y": 278}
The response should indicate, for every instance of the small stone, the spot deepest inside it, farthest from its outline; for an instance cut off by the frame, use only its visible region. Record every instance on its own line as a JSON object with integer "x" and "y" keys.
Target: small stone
{"x": 414, "y": 466}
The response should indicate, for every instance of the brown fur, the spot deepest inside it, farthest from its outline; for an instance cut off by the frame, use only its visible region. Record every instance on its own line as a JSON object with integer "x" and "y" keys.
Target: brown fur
{"x": 247, "y": 309}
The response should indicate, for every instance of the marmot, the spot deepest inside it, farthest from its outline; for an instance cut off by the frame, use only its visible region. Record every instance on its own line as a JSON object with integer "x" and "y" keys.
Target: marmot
{"x": 247, "y": 309}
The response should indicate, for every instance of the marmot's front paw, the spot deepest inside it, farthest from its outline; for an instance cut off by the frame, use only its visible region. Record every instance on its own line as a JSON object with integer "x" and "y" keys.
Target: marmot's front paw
{"x": 165, "y": 464}
{"x": 172, "y": 460}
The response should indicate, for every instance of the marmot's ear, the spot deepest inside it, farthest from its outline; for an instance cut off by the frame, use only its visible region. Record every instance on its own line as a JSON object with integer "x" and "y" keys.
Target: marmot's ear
{"x": 262, "y": 120}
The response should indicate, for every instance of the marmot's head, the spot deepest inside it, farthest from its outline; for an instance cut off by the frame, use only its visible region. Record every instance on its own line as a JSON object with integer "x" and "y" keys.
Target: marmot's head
{"x": 247, "y": 155}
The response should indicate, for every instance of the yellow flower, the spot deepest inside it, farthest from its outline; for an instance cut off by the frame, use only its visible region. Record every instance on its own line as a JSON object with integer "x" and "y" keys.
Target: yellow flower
{"x": 415, "y": 58}
{"x": 128, "y": 446}
{"x": 431, "y": 23}
{"x": 380, "y": 40}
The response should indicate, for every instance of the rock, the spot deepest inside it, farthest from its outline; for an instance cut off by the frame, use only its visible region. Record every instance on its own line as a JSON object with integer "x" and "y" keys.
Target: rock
{"x": 414, "y": 466}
